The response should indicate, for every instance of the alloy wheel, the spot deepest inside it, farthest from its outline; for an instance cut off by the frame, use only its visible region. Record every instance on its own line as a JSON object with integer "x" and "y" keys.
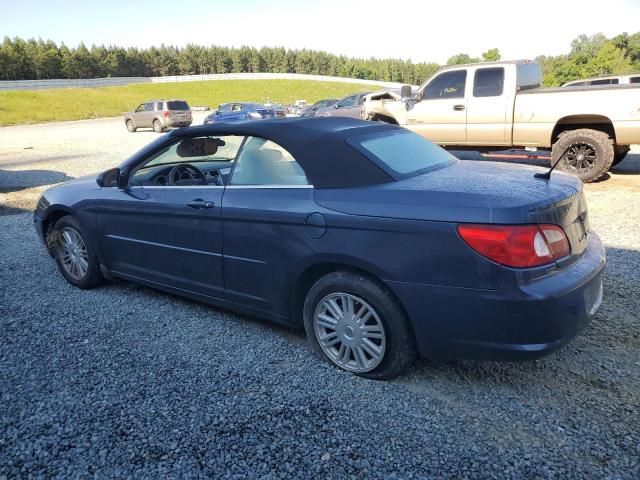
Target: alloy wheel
{"x": 350, "y": 332}
{"x": 73, "y": 253}
{"x": 580, "y": 157}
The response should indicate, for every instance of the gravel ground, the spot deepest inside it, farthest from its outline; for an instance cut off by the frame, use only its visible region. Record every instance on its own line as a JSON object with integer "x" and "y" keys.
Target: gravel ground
{"x": 123, "y": 381}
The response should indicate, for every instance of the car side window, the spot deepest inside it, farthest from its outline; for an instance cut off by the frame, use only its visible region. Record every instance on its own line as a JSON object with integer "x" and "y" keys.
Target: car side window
{"x": 148, "y": 107}
{"x": 159, "y": 106}
{"x": 236, "y": 108}
{"x": 263, "y": 162}
{"x": 634, "y": 80}
{"x": 351, "y": 101}
{"x": 447, "y": 85}
{"x": 204, "y": 153}
{"x": 140, "y": 108}
{"x": 488, "y": 82}
{"x": 604, "y": 81}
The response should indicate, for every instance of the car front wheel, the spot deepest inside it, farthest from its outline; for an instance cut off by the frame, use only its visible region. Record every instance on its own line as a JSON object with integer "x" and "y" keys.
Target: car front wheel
{"x": 76, "y": 261}
{"x": 131, "y": 126}
{"x": 355, "y": 324}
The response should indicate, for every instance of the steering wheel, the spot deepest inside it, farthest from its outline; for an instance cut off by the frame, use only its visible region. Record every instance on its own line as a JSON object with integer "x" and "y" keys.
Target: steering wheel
{"x": 186, "y": 174}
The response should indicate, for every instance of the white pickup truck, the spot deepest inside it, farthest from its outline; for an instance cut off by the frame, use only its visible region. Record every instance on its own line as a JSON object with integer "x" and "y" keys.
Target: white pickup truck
{"x": 500, "y": 105}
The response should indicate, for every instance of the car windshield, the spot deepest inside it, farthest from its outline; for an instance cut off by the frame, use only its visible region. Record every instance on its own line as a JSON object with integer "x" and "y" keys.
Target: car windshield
{"x": 177, "y": 105}
{"x": 172, "y": 154}
{"x": 402, "y": 153}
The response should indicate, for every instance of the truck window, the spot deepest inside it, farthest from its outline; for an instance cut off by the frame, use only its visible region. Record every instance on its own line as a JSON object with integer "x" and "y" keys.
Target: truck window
{"x": 447, "y": 85}
{"x": 488, "y": 82}
{"x": 528, "y": 76}
{"x": 634, "y": 80}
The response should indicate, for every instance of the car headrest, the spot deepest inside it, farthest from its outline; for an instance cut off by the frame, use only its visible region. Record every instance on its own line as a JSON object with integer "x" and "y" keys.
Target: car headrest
{"x": 270, "y": 155}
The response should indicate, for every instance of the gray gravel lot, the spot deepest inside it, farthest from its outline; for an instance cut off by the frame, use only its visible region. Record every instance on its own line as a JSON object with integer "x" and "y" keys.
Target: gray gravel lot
{"x": 123, "y": 381}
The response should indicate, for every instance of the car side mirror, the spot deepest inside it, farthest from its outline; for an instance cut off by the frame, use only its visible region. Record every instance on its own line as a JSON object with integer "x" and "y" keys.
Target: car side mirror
{"x": 109, "y": 178}
{"x": 336, "y": 106}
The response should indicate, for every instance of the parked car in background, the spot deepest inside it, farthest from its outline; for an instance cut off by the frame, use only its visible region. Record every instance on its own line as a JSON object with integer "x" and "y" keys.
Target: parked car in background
{"x": 605, "y": 80}
{"x": 159, "y": 115}
{"x": 500, "y": 105}
{"x": 241, "y": 112}
{"x": 296, "y": 108}
{"x": 349, "y": 106}
{"x": 381, "y": 244}
{"x": 311, "y": 110}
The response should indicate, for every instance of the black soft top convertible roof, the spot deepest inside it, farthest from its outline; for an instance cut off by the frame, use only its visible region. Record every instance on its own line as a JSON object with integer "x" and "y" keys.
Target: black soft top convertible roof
{"x": 318, "y": 144}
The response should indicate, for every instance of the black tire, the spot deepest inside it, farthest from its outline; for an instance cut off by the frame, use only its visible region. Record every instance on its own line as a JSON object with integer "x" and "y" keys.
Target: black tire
{"x": 93, "y": 276}
{"x": 157, "y": 126}
{"x": 131, "y": 126}
{"x": 619, "y": 152}
{"x": 400, "y": 347}
{"x": 590, "y": 153}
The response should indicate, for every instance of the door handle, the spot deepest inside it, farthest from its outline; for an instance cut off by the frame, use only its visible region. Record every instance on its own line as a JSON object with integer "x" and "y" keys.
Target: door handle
{"x": 458, "y": 108}
{"x": 199, "y": 203}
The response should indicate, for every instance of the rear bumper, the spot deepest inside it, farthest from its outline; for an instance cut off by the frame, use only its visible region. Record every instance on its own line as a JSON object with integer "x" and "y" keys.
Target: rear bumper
{"x": 177, "y": 123}
{"x": 523, "y": 319}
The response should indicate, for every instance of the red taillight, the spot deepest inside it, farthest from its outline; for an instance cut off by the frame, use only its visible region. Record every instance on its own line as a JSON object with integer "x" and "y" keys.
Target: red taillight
{"x": 517, "y": 245}
{"x": 166, "y": 114}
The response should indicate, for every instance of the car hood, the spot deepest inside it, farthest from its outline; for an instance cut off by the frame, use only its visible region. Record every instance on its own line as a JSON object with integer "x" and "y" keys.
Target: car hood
{"x": 466, "y": 191}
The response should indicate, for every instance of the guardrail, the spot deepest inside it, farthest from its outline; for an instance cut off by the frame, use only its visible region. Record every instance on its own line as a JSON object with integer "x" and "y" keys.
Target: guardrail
{"x": 118, "y": 81}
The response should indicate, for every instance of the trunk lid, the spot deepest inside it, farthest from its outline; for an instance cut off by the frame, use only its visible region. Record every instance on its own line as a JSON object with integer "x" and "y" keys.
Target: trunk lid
{"x": 474, "y": 192}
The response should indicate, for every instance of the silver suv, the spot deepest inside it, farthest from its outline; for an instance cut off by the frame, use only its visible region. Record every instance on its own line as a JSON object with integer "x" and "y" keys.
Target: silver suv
{"x": 159, "y": 114}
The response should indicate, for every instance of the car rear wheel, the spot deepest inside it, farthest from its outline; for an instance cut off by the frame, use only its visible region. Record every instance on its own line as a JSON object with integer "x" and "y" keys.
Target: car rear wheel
{"x": 589, "y": 153}
{"x": 355, "y": 324}
{"x": 131, "y": 126}
{"x": 157, "y": 126}
{"x": 74, "y": 257}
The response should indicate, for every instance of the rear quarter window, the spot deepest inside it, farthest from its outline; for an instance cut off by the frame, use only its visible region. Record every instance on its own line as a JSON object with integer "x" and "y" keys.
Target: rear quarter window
{"x": 528, "y": 76}
{"x": 402, "y": 153}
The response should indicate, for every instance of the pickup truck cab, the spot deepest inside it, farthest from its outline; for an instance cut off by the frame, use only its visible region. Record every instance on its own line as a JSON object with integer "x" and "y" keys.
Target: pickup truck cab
{"x": 493, "y": 105}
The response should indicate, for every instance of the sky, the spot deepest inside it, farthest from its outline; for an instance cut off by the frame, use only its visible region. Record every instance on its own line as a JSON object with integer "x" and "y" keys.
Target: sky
{"x": 408, "y": 29}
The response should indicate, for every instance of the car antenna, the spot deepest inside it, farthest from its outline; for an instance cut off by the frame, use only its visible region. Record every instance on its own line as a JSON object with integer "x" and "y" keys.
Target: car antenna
{"x": 547, "y": 175}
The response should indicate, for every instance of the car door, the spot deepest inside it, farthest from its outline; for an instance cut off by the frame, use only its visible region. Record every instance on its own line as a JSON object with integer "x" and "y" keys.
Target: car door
{"x": 138, "y": 115}
{"x": 347, "y": 107}
{"x": 264, "y": 212}
{"x": 168, "y": 235}
{"x": 441, "y": 114}
{"x": 490, "y": 106}
{"x": 236, "y": 113}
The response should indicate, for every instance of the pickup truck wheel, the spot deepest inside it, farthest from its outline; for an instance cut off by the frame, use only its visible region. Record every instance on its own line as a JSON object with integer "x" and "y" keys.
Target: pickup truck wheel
{"x": 589, "y": 153}
{"x": 620, "y": 151}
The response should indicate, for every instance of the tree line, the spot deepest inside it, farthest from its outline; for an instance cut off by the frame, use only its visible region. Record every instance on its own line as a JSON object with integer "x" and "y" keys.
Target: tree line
{"x": 38, "y": 59}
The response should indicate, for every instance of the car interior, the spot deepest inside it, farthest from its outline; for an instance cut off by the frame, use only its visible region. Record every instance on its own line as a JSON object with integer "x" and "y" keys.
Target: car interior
{"x": 212, "y": 160}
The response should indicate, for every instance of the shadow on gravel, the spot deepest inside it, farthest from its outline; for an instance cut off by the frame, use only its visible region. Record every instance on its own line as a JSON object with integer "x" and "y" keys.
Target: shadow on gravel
{"x": 629, "y": 166}
{"x": 17, "y": 180}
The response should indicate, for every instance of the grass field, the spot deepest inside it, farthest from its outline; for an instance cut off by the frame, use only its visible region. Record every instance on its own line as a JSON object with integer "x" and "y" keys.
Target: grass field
{"x": 20, "y": 106}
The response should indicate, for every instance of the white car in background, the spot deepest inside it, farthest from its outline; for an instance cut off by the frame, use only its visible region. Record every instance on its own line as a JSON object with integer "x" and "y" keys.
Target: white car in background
{"x": 608, "y": 80}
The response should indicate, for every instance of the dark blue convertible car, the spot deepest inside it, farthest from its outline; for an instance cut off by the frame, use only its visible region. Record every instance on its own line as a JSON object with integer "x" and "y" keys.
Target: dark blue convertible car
{"x": 381, "y": 244}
